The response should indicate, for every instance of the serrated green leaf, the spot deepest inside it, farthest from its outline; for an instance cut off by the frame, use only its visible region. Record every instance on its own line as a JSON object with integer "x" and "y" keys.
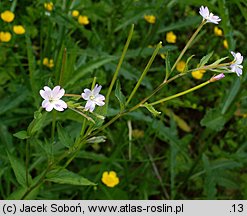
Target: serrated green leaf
{"x": 64, "y": 136}
{"x": 19, "y": 170}
{"x": 21, "y": 134}
{"x": 151, "y": 109}
{"x": 214, "y": 120}
{"x": 37, "y": 123}
{"x": 119, "y": 95}
{"x": 205, "y": 59}
{"x": 64, "y": 176}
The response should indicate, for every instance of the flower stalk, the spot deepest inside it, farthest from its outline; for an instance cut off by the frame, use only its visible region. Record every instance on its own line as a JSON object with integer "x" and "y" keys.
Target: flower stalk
{"x": 188, "y": 45}
{"x": 144, "y": 72}
{"x": 114, "y": 78}
{"x": 181, "y": 93}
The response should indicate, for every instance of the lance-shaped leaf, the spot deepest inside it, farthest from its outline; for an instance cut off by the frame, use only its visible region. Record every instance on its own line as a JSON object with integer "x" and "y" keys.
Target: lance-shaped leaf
{"x": 205, "y": 59}
{"x": 21, "y": 134}
{"x": 64, "y": 176}
{"x": 120, "y": 96}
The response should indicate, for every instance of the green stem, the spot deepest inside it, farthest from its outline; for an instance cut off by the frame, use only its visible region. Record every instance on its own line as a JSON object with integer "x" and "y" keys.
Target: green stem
{"x": 119, "y": 64}
{"x": 155, "y": 91}
{"x": 72, "y": 95}
{"x": 144, "y": 72}
{"x": 188, "y": 44}
{"x": 27, "y": 160}
{"x": 53, "y": 127}
{"x": 83, "y": 127}
{"x": 181, "y": 93}
{"x": 119, "y": 115}
{"x": 208, "y": 67}
{"x": 39, "y": 182}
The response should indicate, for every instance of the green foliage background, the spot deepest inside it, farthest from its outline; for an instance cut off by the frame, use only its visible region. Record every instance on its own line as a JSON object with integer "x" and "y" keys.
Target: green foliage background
{"x": 196, "y": 148}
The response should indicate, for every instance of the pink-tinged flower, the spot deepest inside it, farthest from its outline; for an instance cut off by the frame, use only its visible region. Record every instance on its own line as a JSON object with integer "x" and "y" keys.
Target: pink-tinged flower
{"x": 93, "y": 98}
{"x": 236, "y": 65}
{"x": 52, "y": 98}
{"x": 217, "y": 77}
{"x": 209, "y": 17}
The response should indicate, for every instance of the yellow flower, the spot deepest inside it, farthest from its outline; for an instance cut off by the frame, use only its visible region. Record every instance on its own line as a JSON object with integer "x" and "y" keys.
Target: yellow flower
{"x": 48, "y": 62}
{"x": 150, "y": 18}
{"x": 198, "y": 74}
{"x": 137, "y": 133}
{"x": 45, "y": 61}
{"x": 225, "y": 44}
{"x": 83, "y": 20}
{"x": 110, "y": 179}
{"x": 7, "y": 16}
{"x": 19, "y": 29}
{"x": 5, "y": 36}
{"x": 218, "y": 31}
{"x": 51, "y": 63}
{"x": 171, "y": 37}
{"x": 48, "y": 6}
{"x": 75, "y": 13}
{"x": 181, "y": 66}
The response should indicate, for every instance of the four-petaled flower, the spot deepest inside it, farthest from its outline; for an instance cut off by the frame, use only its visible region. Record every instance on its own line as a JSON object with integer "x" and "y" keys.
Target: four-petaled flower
{"x": 52, "y": 98}
{"x": 209, "y": 17}
{"x": 236, "y": 65}
{"x": 93, "y": 98}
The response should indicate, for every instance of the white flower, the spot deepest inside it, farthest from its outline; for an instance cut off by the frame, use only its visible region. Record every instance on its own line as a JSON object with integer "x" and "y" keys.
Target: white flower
{"x": 93, "y": 98}
{"x": 52, "y": 98}
{"x": 209, "y": 17}
{"x": 236, "y": 65}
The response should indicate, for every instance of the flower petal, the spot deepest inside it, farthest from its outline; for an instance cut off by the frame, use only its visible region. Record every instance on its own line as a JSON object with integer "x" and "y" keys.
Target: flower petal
{"x": 238, "y": 71}
{"x": 90, "y": 105}
{"x": 87, "y": 93}
{"x": 46, "y": 88}
{"x": 204, "y": 12}
{"x": 49, "y": 107}
{"x": 46, "y": 93}
{"x": 45, "y": 103}
{"x": 96, "y": 89}
{"x": 60, "y": 93}
{"x": 239, "y": 58}
{"x": 60, "y": 105}
{"x": 55, "y": 90}
{"x": 99, "y": 100}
